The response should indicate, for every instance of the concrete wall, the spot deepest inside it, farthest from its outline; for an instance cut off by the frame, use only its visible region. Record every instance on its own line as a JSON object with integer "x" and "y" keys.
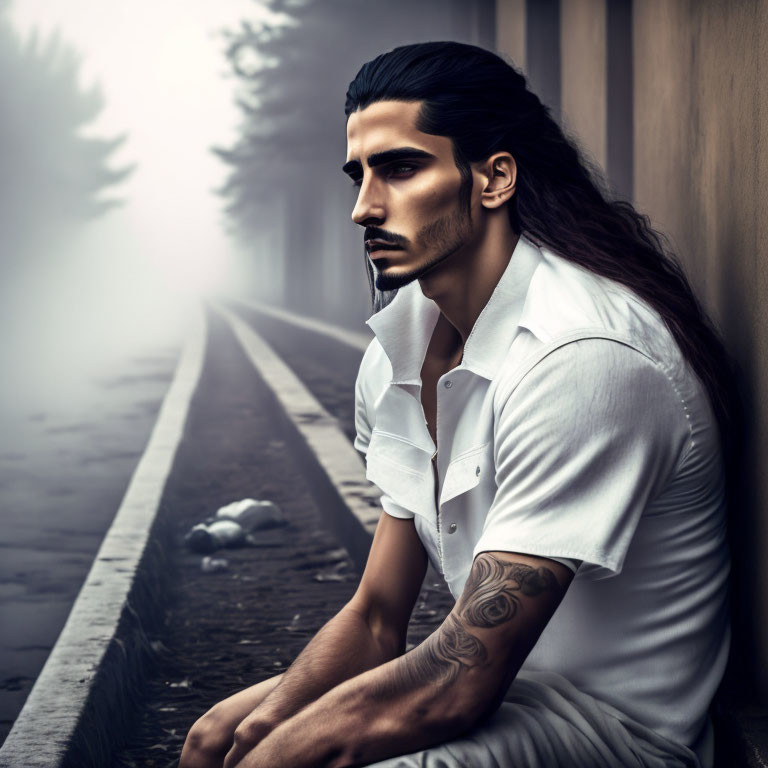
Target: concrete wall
{"x": 619, "y": 83}
{"x": 510, "y": 31}
{"x": 542, "y": 51}
{"x": 669, "y": 98}
{"x": 701, "y": 166}
{"x": 583, "y": 74}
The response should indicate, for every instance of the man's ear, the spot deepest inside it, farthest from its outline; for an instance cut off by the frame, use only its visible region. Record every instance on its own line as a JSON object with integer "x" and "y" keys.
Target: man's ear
{"x": 498, "y": 178}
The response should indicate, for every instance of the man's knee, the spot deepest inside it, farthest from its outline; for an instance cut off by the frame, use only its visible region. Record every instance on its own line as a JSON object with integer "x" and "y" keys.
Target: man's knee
{"x": 208, "y": 740}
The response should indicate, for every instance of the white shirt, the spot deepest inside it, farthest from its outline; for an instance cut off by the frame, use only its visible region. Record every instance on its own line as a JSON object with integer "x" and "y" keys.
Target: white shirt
{"x": 572, "y": 429}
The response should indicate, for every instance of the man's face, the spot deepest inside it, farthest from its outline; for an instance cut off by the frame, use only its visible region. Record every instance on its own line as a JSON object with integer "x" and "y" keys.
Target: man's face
{"x": 409, "y": 192}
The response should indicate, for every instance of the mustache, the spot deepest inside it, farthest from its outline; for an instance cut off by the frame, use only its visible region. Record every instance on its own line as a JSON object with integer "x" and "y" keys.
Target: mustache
{"x": 376, "y": 233}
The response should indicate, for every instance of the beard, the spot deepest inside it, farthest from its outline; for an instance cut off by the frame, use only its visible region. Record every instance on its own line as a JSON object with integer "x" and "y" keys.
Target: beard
{"x": 443, "y": 237}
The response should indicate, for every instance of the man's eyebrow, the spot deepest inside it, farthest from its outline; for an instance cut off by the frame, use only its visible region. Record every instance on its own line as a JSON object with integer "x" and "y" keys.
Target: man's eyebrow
{"x": 388, "y": 156}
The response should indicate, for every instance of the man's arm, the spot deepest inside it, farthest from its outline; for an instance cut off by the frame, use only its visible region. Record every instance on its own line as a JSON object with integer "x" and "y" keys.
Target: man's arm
{"x": 368, "y": 631}
{"x": 437, "y": 691}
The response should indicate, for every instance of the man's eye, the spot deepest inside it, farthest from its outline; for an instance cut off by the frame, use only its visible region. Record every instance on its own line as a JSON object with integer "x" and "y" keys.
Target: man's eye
{"x": 402, "y": 168}
{"x": 393, "y": 170}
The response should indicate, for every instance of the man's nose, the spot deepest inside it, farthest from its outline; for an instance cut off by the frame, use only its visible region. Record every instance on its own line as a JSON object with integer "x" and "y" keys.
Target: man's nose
{"x": 370, "y": 204}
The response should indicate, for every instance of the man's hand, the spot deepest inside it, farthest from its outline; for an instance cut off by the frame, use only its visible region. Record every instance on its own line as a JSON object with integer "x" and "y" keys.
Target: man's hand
{"x": 440, "y": 689}
{"x": 248, "y": 735}
{"x": 369, "y": 631}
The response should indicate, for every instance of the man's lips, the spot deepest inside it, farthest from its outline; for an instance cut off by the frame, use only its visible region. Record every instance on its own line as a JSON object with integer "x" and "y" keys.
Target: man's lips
{"x": 380, "y": 245}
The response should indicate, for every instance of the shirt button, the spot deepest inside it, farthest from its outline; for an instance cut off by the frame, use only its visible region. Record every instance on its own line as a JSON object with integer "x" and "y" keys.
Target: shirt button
{"x": 452, "y": 528}
{"x": 448, "y": 384}
{"x": 477, "y": 471}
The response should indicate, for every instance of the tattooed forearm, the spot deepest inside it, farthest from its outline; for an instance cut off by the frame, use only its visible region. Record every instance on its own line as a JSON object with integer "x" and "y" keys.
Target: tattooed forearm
{"x": 439, "y": 659}
{"x": 491, "y": 596}
{"x": 442, "y": 655}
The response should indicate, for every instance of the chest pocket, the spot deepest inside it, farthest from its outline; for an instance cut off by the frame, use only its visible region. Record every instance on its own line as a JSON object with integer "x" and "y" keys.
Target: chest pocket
{"x": 466, "y": 471}
{"x": 402, "y": 471}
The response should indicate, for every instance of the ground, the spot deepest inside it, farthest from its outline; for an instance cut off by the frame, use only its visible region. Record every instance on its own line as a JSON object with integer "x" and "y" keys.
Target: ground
{"x": 225, "y": 631}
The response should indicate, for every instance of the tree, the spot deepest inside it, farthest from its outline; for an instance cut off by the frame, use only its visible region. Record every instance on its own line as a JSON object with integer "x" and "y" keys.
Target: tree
{"x": 52, "y": 175}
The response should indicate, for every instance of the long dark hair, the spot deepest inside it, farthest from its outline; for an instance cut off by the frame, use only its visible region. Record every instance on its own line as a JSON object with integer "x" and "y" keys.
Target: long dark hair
{"x": 561, "y": 201}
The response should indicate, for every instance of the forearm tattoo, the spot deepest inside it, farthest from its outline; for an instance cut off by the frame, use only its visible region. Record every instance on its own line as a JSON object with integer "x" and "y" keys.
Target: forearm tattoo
{"x": 441, "y": 656}
{"x": 491, "y": 598}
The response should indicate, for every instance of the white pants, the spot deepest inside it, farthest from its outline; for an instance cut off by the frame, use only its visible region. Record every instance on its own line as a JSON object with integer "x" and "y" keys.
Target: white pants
{"x": 546, "y": 722}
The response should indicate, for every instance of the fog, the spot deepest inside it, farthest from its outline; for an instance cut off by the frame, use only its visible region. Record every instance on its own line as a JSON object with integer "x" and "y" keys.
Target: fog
{"x": 135, "y": 136}
{"x": 81, "y": 292}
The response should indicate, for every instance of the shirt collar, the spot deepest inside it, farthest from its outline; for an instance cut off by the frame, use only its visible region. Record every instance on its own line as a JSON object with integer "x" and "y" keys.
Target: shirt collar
{"x": 404, "y": 327}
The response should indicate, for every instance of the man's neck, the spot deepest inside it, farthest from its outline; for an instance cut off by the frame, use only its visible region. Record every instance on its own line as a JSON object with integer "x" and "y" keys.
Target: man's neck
{"x": 462, "y": 287}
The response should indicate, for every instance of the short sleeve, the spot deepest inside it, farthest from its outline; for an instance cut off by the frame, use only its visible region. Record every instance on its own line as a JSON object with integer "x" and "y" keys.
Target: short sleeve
{"x": 581, "y": 445}
{"x": 364, "y": 410}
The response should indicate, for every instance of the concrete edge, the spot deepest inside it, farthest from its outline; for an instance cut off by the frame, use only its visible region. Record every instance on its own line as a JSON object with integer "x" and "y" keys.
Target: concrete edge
{"x": 356, "y": 339}
{"x": 348, "y": 501}
{"x": 78, "y": 702}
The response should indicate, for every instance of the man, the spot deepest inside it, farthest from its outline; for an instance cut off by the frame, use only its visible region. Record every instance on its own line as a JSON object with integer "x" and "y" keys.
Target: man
{"x": 542, "y": 410}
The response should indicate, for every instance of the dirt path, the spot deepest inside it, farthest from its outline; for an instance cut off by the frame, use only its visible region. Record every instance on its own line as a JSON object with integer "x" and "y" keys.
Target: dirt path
{"x": 224, "y": 631}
